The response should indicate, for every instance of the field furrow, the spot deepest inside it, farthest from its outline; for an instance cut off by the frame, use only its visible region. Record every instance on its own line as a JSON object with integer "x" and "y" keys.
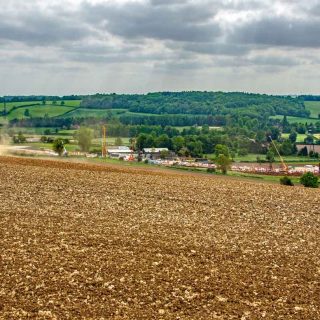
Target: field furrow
{"x": 83, "y": 241}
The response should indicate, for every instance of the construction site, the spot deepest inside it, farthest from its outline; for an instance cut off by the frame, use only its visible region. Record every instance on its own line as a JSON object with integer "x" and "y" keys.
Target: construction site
{"x": 153, "y": 156}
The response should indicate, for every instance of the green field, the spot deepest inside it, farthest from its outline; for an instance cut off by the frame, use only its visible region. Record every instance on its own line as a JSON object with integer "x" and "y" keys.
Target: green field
{"x": 252, "y": 157}
{"x": 199, "y": 127}
{"x": 267, "y": 178}
{"x": 10, "y": 105}
{"x": 40, "y": 145}
{"x": 296, "y": 119}
{"x": 39, "y": 111}
{"x": 31, "y": 131}
{"x": 96, "y": 143}
{"x": 300, "y": 137}
{"x": 70, "y": 132}
{"x": 313, "y": 107}
{"x": 97, "y": 113}
{"x": 40, "y": 131}
{"x": 67, "y": 103}
{"x": 111, "y": 141}
{"x": 82, "y": 113}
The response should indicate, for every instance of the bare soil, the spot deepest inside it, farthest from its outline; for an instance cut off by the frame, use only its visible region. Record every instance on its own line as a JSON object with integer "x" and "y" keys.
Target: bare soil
{"x": 81, "y": 241}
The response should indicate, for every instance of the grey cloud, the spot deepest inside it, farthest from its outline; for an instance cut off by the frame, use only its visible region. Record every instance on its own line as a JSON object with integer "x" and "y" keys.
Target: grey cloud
{"x": 180, "y": 66}
{"x": 279, "y": 31}
{"x": 217, "y": 48}
{"x": 257, "y": 61}
{"x": 168, "y": 2}
{"x": 315, "y": 10}
{"x": 113, "y": 56}
{"x": 37, "y": 28}
{"x": 171, "y": 36}
{"x": 31, "y": 60}
{"x": 189, "y": 22}
{"x": 246, "y": 5}
{"x": 274, "y": 61}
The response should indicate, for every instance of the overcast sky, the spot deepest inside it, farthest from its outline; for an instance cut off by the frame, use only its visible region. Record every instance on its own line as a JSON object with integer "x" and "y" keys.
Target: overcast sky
{"x": 73, "y": 46}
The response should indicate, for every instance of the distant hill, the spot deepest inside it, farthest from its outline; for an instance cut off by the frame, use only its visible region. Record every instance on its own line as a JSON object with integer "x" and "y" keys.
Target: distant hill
{"x": 188, "y": 108}
{"x": 195, "y": 102}
{"x": 185, "y": 108}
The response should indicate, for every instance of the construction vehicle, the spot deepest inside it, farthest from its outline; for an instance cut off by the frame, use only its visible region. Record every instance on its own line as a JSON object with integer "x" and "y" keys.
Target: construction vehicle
{"x": 283, "y": 164}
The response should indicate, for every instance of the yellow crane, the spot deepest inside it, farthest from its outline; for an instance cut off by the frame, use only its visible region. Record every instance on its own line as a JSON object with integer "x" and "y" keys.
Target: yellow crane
{"x": 104, "y": 142}
{"x": 284, "y": 166}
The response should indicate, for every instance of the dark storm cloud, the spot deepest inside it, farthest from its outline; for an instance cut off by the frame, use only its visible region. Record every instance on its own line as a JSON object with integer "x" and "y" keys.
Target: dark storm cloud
{"x": 279, "y": 31}
{"x": 188, "y": 22}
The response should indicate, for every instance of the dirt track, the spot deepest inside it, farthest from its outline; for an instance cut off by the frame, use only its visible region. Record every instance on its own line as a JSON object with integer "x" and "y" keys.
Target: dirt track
{"x": 93, "y": 242}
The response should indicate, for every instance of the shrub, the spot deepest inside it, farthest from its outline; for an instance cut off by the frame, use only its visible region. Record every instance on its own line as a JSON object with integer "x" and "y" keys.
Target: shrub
{"x": 243, "y": 152}
{"x": 95, "y": 150}
{"x": 286, "y": 181}
{"x": 58, "y": 146}
{"x": 43, "y": 139}
{"x": 309, "y": 180}
{"x": 211, "y": 170}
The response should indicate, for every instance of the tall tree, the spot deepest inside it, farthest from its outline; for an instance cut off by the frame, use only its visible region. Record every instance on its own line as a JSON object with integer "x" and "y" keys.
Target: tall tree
{"x": 270, "y": 157}
{"x": 221, "y": 149}
{"x": 223, "y": 162}
{"x": 84, "y": 136}
{"x": 293, "y": 136}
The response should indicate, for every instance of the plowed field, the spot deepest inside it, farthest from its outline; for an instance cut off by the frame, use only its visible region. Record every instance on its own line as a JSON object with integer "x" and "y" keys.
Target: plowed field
{"x": 81, "y": 241}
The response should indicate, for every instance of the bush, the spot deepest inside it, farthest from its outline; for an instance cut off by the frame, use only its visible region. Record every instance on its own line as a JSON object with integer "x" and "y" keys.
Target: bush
{"x": 95, "y": 150}
{"x": 211, "y": 170}
{"x": 286, "y": 181}
{"x": 243, "y": 152}
{"x": 58, "y": 146}
{"x": 309, "y": 180}
{"x": 19, "y": 139}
